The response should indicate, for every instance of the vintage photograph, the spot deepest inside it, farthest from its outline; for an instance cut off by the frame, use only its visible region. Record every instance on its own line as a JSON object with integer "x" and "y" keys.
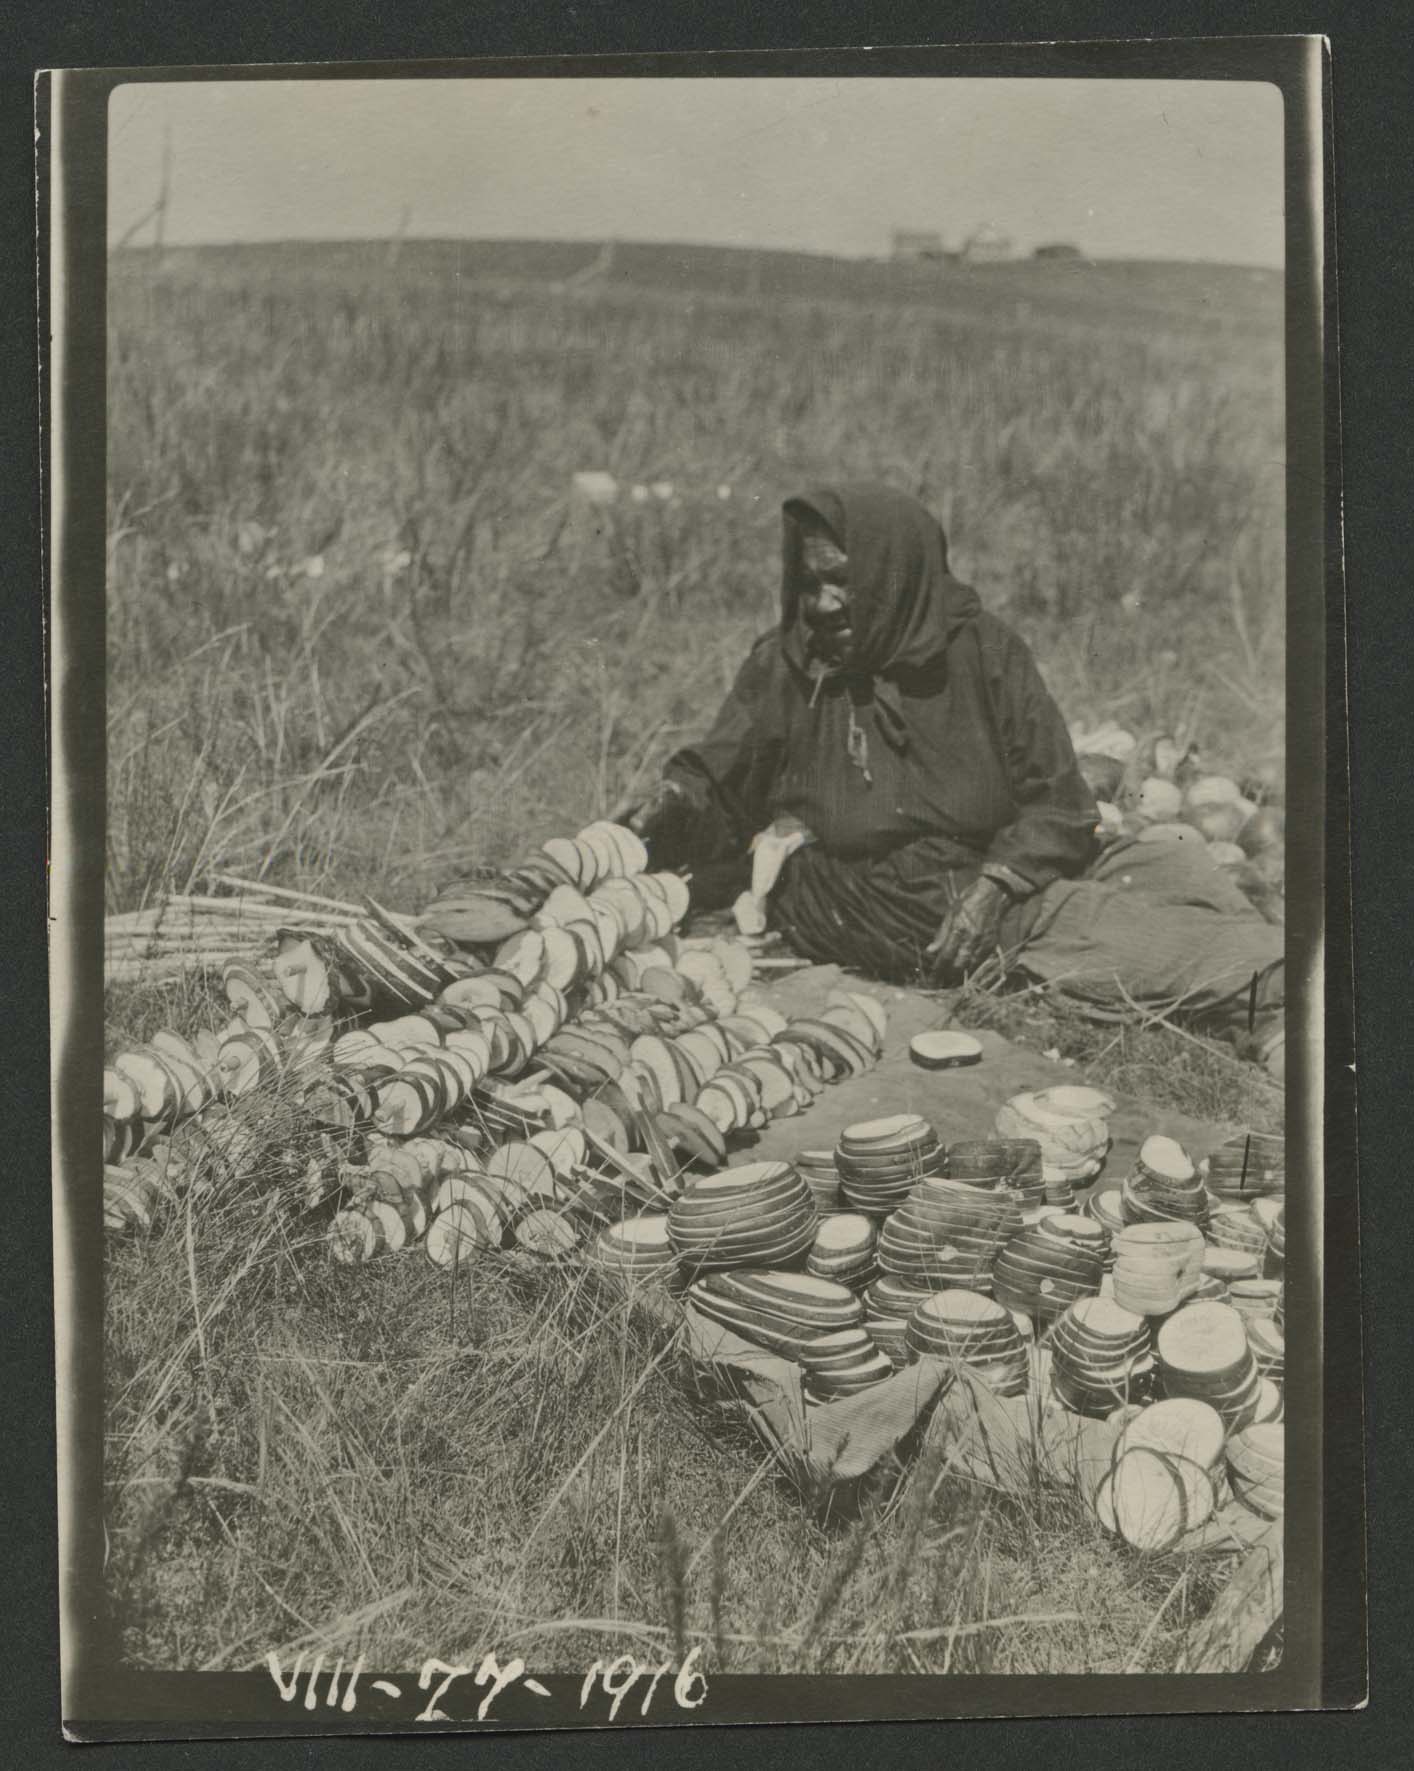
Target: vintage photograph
{"x": 694, "y": 886}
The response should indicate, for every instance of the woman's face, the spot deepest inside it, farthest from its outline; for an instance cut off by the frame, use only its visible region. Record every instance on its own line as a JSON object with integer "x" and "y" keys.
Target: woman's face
{"x": 824, "y": 596}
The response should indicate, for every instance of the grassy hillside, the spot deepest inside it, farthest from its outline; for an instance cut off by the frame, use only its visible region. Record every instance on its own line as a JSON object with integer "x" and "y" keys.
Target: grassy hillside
{"x": 1133, "y": 294}
{"x": 357, "y": 626}
{"x": 360, "y": 634}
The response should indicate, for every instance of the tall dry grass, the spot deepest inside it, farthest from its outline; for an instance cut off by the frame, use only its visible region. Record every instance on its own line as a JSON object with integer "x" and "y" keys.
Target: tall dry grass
{"x": 359, "y": 635}
{"x": 396, "y": 1462}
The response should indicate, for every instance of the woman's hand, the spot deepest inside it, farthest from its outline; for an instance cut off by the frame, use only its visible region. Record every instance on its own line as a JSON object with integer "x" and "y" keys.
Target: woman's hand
{"x": 644, "y": 816}
{"x": 970, "y": 930}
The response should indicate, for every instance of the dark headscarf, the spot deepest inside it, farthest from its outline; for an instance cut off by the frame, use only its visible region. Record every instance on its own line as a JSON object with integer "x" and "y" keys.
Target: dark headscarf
{"x": 905, "y": 606}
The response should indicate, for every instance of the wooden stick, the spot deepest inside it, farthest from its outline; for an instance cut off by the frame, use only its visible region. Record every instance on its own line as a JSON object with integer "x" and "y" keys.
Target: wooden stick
{"x": 194, "y": 938}
{"x": 135, "y": 950}
{"x": 189, "y": 931}
{"x": 180, "y": 917}
{"x": 159, "y": 970}
{"x": 180, "y": 925}
{"x": 175, "y": 950}
{"x": 185, "y": 935}
{"x": 254, "y": 908}
{"x": 226, "y": 906}
{"x": 260, "y": 885}
{"x": 172, "y": 948}
{"x": 185, "y": 916}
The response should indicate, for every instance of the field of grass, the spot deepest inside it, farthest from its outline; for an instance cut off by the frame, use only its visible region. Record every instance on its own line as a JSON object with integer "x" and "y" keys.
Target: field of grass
{"x": 361, "y": 636}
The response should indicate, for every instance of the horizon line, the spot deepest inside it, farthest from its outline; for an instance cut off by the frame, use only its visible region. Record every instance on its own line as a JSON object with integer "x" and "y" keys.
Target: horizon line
{"x": 1020, "y": 256}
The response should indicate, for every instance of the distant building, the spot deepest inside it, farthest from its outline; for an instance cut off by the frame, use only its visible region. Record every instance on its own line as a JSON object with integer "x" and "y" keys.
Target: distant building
{"x": 911, "y": 243}
{"x": 987, "y": 245}
{"x": 1058, "y": 249}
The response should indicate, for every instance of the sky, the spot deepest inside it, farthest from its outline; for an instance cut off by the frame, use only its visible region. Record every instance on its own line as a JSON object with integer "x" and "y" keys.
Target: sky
{"x": 1120, "y": 168}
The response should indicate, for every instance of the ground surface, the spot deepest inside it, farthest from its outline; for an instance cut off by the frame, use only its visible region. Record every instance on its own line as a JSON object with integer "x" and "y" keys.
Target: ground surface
{"x": 959, "y": 1103}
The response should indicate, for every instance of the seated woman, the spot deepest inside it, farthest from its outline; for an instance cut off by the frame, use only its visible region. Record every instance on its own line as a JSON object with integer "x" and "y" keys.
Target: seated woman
{"x": 906, "y": 733}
